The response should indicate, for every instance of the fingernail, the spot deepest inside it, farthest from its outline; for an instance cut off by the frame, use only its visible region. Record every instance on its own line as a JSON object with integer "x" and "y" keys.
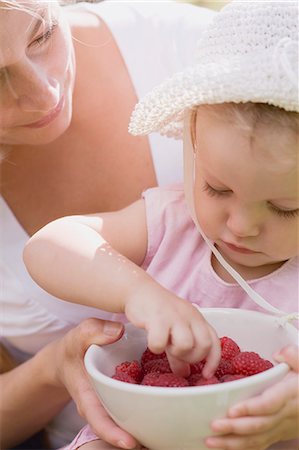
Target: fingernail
{"x": 123, "y": 444}
{"x": 235, "y": 411}
{"x": 207, "y": 373}
{"x": 220, "y": 425}
{"x": 279, "y": 357}
{"x": 112, "y": 329}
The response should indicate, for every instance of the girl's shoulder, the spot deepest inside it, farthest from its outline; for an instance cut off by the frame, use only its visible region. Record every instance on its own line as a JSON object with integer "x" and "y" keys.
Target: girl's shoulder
{"x": 170, "y": 199}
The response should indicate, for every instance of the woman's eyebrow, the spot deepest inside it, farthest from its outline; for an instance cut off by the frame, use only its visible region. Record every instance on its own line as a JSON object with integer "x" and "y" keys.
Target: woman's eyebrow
{"x": 39, "y": 19}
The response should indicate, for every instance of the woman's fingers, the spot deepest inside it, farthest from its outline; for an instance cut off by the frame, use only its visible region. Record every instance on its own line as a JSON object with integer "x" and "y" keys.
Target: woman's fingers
{"x": 75, "y": 378}
{"x": 94, "y": 413}
{"x": 94, "y": 331}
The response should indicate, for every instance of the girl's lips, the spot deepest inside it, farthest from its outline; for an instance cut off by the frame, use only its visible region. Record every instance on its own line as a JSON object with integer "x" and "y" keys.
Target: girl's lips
{"x": 49, "y": 117}
{"x": 239, "y": 249}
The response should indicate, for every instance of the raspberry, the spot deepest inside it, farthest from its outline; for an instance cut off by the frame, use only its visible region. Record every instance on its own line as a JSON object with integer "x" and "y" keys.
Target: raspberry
{"x": 197, "y": 367}
{"x": 148, "y": 355}
{"x": 193, "y": 378}
{"x": 157, "y": 365}
{"x": 230, "y": 377}
{"x": 131, "y": 368}
{"x": 229, "y": 348}
{"x": 250, "y": 363}
{"x": 225, "y": 367}
{"x": 204, "y": 381}
{"x": 164, "y": 380}
{"x": 154, "y": 369}
{"x": 122, "y": 376}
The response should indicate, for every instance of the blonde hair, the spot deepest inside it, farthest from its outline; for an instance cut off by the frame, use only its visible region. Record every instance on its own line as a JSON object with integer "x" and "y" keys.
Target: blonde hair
{"x": 248, "y": 117}
{"x": 20, "y": 5}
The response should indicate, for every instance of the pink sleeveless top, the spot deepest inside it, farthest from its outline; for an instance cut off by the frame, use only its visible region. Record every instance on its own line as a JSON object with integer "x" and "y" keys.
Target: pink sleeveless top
{"x": 179, "y": 259}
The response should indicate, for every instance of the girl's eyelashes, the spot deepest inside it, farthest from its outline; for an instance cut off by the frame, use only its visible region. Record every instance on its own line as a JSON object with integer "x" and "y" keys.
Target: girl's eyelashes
{"x": 45, "y": 36}
{"x": 213, "y": 192}
{"x": 287, "y": 214}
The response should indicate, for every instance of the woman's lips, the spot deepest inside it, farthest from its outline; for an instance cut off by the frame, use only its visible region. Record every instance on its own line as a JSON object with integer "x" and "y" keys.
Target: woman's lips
{"x": 239, "y": 249}
{"x": 49, "y": 117}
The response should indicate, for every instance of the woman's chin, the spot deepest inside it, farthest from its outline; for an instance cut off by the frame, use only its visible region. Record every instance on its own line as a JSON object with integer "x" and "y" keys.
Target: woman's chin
{"x": 38, "y": 136}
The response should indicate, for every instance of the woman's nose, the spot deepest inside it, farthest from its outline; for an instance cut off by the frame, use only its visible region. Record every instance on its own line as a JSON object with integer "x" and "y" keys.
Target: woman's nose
{"x": 243, "y": 222}
{"x": 36, "y": 90}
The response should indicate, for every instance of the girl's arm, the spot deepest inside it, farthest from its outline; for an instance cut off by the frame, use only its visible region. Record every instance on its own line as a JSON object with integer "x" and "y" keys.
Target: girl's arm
{"x": 91, "y": 260}
{"x": 34, "y": 392}
{"x": 94, "y": 260}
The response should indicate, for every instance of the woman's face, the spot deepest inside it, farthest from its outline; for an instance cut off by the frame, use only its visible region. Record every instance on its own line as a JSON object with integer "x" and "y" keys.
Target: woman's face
{"x": 36, "y": 73}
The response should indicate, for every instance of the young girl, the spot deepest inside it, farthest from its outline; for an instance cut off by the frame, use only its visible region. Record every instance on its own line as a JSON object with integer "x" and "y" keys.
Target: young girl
{"x": 240, "y": 105}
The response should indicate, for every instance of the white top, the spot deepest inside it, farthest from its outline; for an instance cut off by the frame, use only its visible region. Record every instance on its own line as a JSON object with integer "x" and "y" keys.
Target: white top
{"x": 155, "y": 39}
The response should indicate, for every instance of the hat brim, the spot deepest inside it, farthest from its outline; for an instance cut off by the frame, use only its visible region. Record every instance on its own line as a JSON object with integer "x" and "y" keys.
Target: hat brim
{"x": 239, "y": 80}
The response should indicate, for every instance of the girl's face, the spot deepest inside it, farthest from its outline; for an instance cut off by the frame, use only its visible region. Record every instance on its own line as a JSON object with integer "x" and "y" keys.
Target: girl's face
{"x": 246, "y": 191}
{"x": 36, "y": 73}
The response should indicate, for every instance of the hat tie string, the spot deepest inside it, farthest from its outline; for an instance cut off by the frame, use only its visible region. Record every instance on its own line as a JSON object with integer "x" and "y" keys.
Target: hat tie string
{"x": 189, "y": 177}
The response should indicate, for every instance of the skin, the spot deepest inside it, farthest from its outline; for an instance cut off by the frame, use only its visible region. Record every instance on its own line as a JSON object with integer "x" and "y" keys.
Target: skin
{"x": 255, "y": 204}
{"x": 39, "y": 164}
{"x": 99, "y": 249}
{"x": 49, "y": 162}
{"x": 246, "y": 196}
{"x": 59, "y": 369}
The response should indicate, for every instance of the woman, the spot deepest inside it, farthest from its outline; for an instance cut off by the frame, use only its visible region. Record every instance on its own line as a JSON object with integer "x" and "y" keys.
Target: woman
{"x": 69, "y": 79}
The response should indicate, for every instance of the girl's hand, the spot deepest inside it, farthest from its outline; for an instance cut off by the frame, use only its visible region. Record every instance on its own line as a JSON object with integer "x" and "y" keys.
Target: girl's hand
{"x": 263, "y": 420}
{"x": 71, "y": 373}
{"x": 176, "y": 326}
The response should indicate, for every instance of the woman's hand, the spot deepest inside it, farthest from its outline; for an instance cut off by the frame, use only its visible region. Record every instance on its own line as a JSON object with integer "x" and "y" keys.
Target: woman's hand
{"x": 176, "y": 326}
{"x": 265, "y": 419}
{"x": 71, "y": 373}
{"x": 33, "y": 393}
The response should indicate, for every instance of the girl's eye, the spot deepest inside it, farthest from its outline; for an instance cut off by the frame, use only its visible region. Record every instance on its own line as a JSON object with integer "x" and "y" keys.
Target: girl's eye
{"x": 287, "y": 214}
{"x": 46, "y": 36}
{"x": 215, "y": 192}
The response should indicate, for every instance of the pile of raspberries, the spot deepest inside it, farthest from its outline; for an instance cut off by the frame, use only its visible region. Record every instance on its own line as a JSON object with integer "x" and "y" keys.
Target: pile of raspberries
{"x": 154, "y": 369}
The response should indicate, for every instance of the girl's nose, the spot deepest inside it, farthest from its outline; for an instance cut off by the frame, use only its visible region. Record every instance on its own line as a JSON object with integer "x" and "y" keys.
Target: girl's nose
{"x": 244, "y": 223}
{"x": 36, "y": 90}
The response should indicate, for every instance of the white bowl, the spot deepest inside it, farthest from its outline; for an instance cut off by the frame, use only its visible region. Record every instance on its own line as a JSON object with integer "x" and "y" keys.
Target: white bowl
{"x": 178, "y": 418}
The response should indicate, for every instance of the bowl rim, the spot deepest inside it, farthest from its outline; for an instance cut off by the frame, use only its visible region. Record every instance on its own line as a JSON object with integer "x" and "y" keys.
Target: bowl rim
{"x": 278, "y": 370}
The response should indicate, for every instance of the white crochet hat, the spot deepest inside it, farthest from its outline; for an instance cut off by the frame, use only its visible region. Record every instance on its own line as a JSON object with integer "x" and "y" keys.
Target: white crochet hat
{"x": 249, "y": 53}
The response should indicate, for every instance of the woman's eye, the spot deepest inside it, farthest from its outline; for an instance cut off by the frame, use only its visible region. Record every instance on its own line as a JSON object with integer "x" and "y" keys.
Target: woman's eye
{"x": 45, "y": 36}
{"x": 287, "y": 214}
{"x": 213, "y": 192}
